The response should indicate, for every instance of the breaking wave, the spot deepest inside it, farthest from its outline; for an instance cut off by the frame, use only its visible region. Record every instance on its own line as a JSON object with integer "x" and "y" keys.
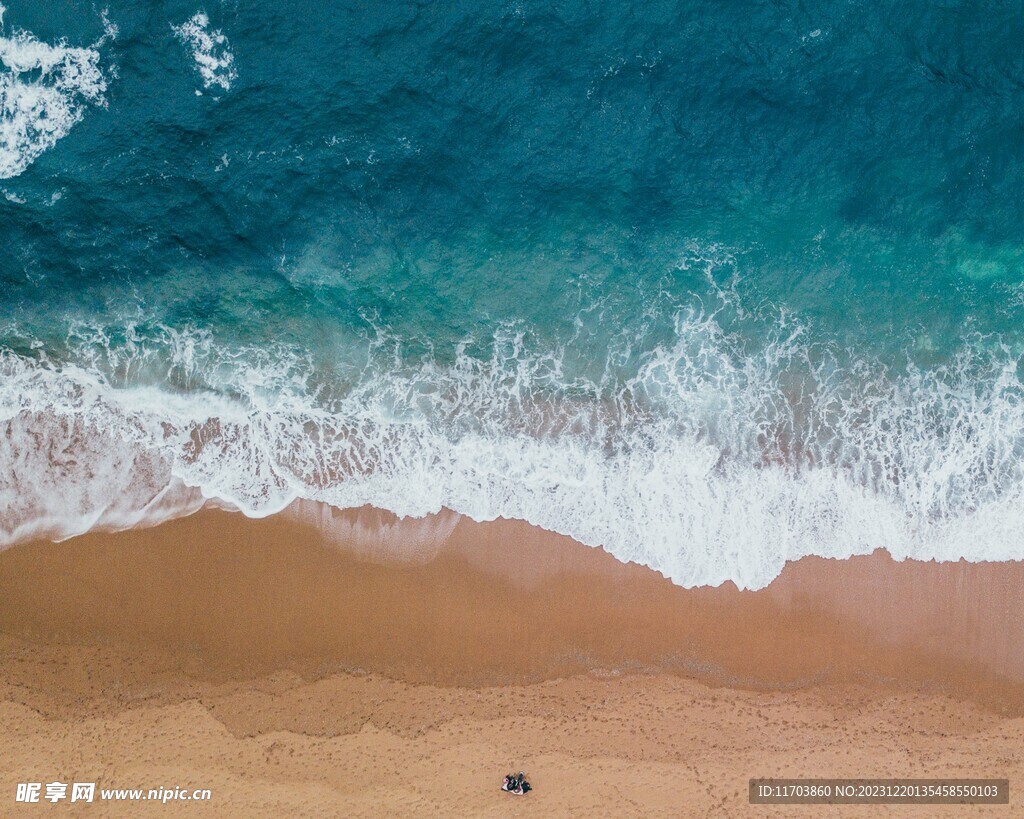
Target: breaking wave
{"x": 44, "y": 91}
{"x": 713, "y": 461}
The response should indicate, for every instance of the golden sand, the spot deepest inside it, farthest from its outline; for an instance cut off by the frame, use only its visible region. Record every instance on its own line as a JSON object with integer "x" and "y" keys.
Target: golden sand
{"x": 290, "y": 668}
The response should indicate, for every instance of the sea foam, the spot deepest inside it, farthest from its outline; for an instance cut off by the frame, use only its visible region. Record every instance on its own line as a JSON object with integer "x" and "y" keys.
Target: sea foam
{"x": 44, "y": 91}
{"x": 712, "y": 462}
{"x": 210, "y": 50}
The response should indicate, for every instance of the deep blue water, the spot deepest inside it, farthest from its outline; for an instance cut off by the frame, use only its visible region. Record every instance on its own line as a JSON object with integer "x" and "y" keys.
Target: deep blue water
{"x": 713, "y": 285}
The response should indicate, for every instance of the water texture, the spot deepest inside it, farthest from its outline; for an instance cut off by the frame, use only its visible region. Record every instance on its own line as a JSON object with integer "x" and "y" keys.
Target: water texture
{"x": 713, "y": 286}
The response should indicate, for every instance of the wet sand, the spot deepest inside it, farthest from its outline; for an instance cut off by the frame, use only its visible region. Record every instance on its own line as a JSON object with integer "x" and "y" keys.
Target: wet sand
{"x": 319, "y": 660}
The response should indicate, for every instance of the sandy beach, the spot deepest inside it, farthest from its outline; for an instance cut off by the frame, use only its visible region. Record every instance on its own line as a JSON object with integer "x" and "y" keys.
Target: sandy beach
{"x": 318, "y": 661}
{"x": 398, "y": 396}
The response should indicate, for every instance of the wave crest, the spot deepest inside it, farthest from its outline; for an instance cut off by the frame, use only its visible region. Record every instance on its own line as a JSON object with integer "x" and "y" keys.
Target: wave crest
{"x": 712, "y": 462}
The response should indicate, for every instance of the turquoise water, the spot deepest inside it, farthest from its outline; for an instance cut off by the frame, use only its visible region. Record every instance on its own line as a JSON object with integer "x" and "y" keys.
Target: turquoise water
{"x": 713, "y": 286}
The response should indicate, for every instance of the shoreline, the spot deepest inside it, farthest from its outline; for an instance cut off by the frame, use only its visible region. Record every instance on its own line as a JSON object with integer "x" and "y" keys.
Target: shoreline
{"x": 277, "y": 665}
{"x": 446, "y": 600}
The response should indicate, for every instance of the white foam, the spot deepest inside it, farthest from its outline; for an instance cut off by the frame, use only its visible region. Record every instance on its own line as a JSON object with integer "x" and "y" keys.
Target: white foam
{"x": 44, "y": 91}
{"x": 210, "y": 50}
{"x": 714, "y": 462}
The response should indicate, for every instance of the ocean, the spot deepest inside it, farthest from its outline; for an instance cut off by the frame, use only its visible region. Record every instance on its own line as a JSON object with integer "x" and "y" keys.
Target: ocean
{"x": 713, "y": 286}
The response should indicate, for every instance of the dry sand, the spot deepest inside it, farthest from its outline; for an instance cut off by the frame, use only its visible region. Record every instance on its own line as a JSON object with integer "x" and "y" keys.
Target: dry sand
{"x": 287, "y": 667}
